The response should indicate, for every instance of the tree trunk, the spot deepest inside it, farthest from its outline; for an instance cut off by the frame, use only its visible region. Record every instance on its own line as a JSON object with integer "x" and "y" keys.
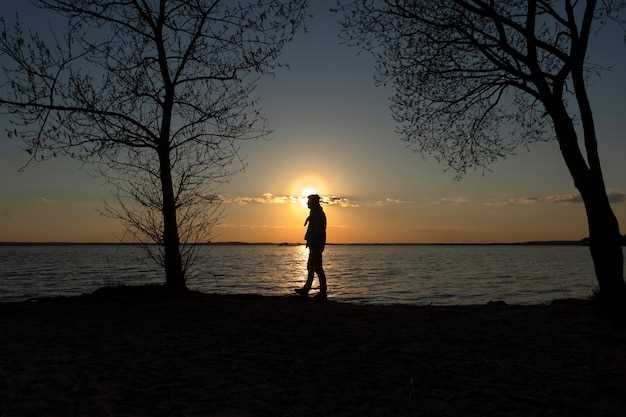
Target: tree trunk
{"x": 175, "y": 277}
{"x": 174, "y": 273}
{"x": 604, "y": 233}
{"x": 605, "y": 245}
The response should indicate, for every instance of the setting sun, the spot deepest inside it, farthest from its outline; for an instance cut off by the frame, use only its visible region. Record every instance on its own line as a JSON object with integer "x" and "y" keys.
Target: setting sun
{"x": 305, "y": 193}
{"x": 307, "y": 184}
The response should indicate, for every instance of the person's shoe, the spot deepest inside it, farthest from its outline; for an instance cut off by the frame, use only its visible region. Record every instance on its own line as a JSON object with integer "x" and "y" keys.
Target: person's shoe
{"x": 321, "y": 298}
{"x": 301, "y": 291}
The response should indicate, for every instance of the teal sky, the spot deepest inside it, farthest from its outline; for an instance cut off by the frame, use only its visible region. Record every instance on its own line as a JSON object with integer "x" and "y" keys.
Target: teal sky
{"x": 333, "y": 131}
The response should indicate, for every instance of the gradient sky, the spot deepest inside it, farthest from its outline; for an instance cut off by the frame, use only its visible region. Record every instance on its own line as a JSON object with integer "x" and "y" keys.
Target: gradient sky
{"x": 333, "y": 132}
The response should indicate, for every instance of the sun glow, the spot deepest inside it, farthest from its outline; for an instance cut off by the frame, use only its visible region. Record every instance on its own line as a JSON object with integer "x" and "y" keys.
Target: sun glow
{"x": 307, "y": 191}
{"x": 305, "y": 185}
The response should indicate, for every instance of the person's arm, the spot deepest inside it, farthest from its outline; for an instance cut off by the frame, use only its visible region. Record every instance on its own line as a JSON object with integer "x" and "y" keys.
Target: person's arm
{"x": 323, "y": 230}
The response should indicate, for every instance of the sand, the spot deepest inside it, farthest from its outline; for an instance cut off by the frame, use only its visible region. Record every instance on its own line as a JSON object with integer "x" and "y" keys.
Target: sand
{"x": 144, "y": 353}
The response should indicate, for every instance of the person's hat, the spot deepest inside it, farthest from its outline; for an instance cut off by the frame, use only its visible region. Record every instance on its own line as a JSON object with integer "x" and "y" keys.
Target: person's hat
{"x": 315, "y": 198}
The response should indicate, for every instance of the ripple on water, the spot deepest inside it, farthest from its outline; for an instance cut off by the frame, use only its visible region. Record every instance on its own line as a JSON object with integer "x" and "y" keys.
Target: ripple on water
{"x": 360, "y": 274}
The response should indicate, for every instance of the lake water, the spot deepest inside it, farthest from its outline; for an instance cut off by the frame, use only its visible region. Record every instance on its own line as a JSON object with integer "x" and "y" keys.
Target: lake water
{"x": 363, "y": 274}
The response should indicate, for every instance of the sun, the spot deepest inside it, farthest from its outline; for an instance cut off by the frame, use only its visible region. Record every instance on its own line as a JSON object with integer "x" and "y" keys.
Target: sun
{"x": 306, "y": 185}
{"x": 307, "y": 191}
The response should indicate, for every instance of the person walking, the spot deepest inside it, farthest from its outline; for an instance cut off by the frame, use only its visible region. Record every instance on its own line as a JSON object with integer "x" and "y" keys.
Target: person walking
{"x": 315, "y": 240}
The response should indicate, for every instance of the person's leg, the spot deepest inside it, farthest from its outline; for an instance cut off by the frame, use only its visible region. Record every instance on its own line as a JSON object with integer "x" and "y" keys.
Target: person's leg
{"x": 319, "y": 269}
{"x": 310, "y": 266}
{"x": 322, "y": 277}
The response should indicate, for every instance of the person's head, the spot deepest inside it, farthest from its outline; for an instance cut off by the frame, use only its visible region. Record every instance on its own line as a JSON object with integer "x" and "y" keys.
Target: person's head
{"x": 313, "y": 201}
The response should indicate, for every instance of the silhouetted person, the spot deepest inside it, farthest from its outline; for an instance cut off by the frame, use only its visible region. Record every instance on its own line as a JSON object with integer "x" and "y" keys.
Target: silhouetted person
{"x": 315, "y": 240}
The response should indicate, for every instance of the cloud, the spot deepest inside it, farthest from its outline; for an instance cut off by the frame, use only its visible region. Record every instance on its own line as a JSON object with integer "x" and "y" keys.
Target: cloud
{"x": 517, "y": 201}
{"x": 266, "y": 198}
{"x": 254, "y": 226}
{"x": 348, "y": 202}
{"x": 451, "y": 200}
{"x": 339, "y": 201}
{"x": 563, "y": 198}
{"x": 614, "y": 197}
{"x": 330, "y": 200}
{"x": 388, "y": 202}
{"x": 269, "y": 198}
{"x": 571, "y": 198}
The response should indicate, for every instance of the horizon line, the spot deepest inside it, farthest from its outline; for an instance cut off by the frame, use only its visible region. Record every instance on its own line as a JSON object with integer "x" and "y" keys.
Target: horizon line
{"x": 582, "y": 241}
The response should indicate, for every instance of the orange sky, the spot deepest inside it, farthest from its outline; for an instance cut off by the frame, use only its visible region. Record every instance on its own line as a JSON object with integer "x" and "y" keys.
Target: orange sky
{"x": 274, "y": 219}
{"x": 269, "y": 217}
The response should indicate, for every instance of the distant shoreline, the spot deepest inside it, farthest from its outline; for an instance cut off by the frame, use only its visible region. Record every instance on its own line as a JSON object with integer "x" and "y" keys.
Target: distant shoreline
{"x": 528, "y": 243}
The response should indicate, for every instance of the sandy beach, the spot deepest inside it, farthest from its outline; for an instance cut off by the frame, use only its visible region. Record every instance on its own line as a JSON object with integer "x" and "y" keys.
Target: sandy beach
{"x": 142, "y": 352}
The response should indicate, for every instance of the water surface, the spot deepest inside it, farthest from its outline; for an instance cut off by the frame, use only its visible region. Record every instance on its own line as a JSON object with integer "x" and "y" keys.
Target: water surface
{"x": 364, "y": 274}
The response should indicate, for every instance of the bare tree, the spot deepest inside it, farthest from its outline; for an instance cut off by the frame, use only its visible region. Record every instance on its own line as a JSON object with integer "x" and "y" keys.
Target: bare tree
{"x": 156, "y": 93}
{"x": 475, "y": 79}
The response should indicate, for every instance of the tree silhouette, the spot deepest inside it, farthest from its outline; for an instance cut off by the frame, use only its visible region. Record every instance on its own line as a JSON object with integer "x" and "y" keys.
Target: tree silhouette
{"x": 156, "y": 93}
{"x": 475, "y": 79}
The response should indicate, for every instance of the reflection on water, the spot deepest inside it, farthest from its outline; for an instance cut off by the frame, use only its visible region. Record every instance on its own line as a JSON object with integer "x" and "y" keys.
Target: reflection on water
{"x": 368, "y": 274}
